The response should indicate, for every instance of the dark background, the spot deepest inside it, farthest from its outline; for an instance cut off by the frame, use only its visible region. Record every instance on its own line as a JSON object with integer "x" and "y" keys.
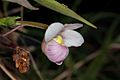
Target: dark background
{"x": 105, "y": 14}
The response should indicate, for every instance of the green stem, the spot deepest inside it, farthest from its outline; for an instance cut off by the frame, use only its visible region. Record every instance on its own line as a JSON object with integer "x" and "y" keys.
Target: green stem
{"x": 5, "y": 5}
{"x": 22, "y": 13}
{"x": 36, "y": 68}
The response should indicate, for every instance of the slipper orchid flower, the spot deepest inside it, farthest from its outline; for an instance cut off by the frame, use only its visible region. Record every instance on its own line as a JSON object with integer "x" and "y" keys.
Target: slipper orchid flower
{"x": 58, "y": 38}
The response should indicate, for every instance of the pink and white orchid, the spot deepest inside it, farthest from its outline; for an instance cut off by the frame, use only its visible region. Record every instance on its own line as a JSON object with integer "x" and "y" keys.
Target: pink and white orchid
{"x": 58, "y": 38}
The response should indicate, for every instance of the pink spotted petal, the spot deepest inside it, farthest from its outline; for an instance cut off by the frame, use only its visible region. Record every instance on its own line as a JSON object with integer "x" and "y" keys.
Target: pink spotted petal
{"x": 55, "y": 52}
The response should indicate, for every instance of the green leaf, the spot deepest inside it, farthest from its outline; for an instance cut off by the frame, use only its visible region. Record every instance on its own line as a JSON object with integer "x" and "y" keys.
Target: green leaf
{"x": 8, "y": 21}
{"x": 32, "y": 24}
{"x": 24, "y": 3}
{"x": 63, "y": 9}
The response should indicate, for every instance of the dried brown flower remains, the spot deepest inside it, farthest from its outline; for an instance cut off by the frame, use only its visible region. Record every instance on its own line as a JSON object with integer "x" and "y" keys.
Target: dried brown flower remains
{"x": 22, "y": 59}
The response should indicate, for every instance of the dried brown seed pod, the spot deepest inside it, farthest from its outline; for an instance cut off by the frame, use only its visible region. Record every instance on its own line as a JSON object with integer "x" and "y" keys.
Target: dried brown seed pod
{"x": 22, "y": 59}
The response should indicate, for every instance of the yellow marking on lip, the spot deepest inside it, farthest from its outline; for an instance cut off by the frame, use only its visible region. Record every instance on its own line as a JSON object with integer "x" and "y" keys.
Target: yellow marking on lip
{"x": 59, "y": 40}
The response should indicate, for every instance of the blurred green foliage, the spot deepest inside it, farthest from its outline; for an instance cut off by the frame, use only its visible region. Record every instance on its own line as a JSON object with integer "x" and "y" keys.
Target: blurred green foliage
{"x": 8, "y": 21}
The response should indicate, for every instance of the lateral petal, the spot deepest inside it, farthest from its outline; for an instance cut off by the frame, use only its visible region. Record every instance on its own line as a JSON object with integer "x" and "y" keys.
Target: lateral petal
{"x": 72, "y": 38}
{"x": 73, "y": 26}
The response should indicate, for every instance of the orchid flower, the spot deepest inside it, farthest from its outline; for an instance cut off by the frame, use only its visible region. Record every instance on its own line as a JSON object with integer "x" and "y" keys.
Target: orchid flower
{"x": 58, "y": 38}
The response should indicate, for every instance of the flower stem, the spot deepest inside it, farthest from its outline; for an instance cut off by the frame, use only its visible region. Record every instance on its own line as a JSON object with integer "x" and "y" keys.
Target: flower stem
{"x": 36, "y": 68}
{"x": 7, "y": 72}
{"x": 9, "y": 32}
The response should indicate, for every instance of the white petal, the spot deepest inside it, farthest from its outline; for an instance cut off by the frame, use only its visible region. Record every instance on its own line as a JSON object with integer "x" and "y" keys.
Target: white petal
{"x": 53, "y": 30}
{"x": 72, "y": 38}
{"x": 73, "y": 26}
